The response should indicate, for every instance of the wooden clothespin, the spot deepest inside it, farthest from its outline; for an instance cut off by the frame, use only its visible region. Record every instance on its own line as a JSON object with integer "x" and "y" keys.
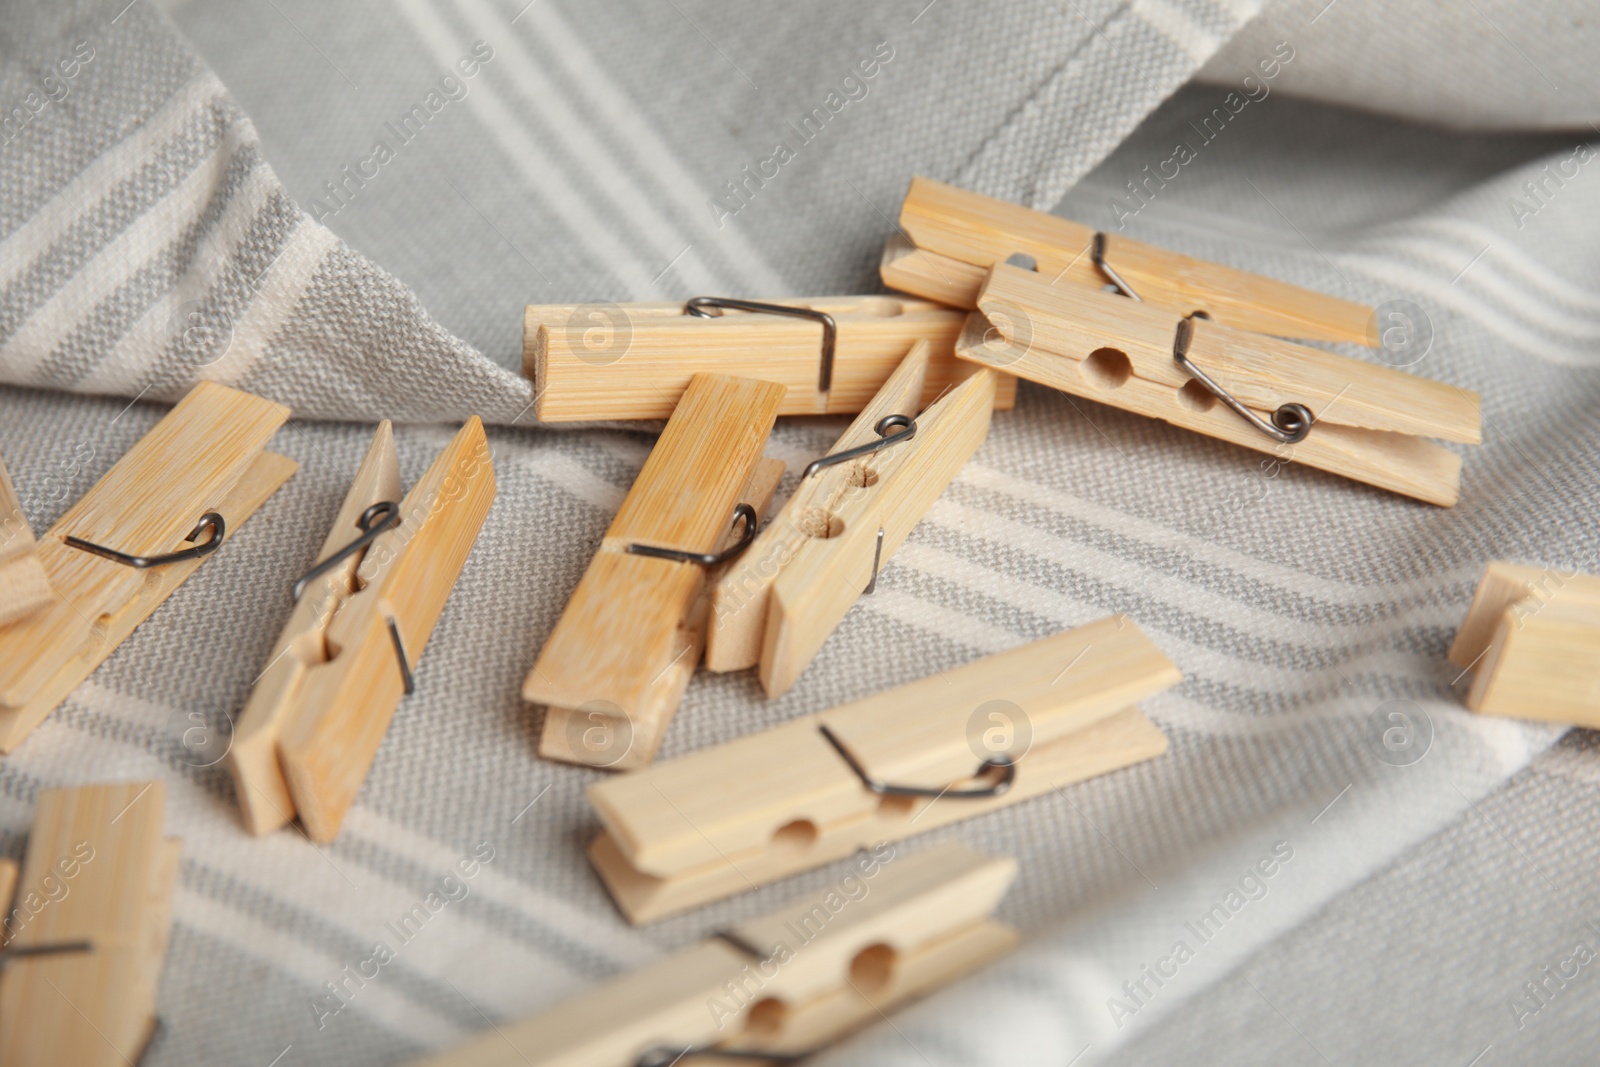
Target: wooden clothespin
{"x": 959, "y": 235}
{"x": 633, "y": 361}
{"x": 1361, "y": 420}
{"x": 765, "y": 806}
{"x": 362, "y": 617}
{"x": 86, "y": 932}
{"x": 780, "y": 600}
{"x": 1532, "y": 635}
{"x": 895, "y": 928}
{"x": 24, "y": 588}
{"x": 619, "y": 659}
{"x": 121, "y": 550}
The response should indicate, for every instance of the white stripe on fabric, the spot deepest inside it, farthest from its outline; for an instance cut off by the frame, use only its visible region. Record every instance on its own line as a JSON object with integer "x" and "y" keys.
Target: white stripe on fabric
{"x": 278, "y": 292}
{"x": 112, "y": 267}
{"x": 1431, "y": 287}
{"x": 288, "y": 954}
{"x": 119, "y": 162}
{"x": 652, "y": 155}
{"x": 540, "y": 171}
{"x": 1186, "y": 32}
{"x": 338, "y": 891}
{"x": 601, "y": 933}
{"x": 140, "y": 349}
{"x": 608, "y": 175}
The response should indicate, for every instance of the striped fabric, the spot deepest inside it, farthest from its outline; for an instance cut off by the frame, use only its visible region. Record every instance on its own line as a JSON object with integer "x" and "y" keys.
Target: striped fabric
{"x": 146, "y": 243}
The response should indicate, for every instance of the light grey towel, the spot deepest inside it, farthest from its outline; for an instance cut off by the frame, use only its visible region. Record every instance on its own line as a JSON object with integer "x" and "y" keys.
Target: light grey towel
{"x": 586, "y": 158}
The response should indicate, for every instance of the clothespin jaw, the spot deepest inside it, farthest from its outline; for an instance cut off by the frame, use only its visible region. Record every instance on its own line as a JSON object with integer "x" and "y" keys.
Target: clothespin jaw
{"x": 951, "y": 227}
{"x": 87, "y": 932}
{"x": 1367, "y": 422}
{"x": 340, "y": 701}
{"x": 24, "y": 587}
{"x": 617, "y": 663}
{"x": 787, "y": 984}
{"x": 777, "y": 605}
{"x": 1532, "y": 641}
{"x": 634, "y": 361}
{"x": 185, "y": 487}
{"x": 953, "y": 745}
{"x": 276, "y": 698}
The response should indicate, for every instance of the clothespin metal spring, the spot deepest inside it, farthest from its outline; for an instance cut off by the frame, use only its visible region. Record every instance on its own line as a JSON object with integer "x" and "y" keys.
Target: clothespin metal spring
{"x": 380, "y": 517}
{"x": 700, "y": 308}
{"x": 884, "y": 789}
{"x": 1290, "y": 423}
{"x": 707, "y": 559}
{"x": 904, "y": 423}
{"x": 211, "y": 520}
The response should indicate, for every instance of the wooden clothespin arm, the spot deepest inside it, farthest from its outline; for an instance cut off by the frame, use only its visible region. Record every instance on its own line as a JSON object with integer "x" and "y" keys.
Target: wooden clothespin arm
{"x": 1532, "y": 640}
{"x": 277, "y": 697}
{"x": 787, "y": 984}
{"x": 1367, "y": 422}
{"x": 955, "y": 231}
{"x": 634, "y": 361}
{"x": 85, "y": 940}
{"x": 779, "y": 602}
{"x": 767, "y": 805}
{"x": 622, "y": 652}
{"x": 205, "y": 457}
{"x": 376, "y": 637}
{"x": 24, "y": 587}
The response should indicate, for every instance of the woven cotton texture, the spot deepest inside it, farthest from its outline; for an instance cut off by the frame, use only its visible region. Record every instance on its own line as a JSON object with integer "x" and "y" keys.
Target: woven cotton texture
{"x": 145, "y": 244}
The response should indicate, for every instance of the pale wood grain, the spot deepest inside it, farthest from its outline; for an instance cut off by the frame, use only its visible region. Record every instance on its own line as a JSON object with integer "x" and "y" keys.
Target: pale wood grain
{"x": 930, "y": 911}
{"x": 148, "y": 502}
{"x": 630, "y": 620}
{"x": 910, "y": 269}
{"x": 741, "y": 597}
{"x": 1401, "y": 463}
{"x": 1261, "y": 372}
{"x": 406, "y": 577}
{"x": 1118, "y": 741}
{"x": 24, "y": 588}
{"x": 982, "y": 231}
{"x": 567, "y": 731}
{"x": 95, "y": 1008}
{"x": 732, "y": 798}
{"x": 258, "y": 782}
{"x": 633, "y": 361}
{"x": 69, "y": 664}
{"x": 1532, "y": 637}
{"x": 825, "y": 576}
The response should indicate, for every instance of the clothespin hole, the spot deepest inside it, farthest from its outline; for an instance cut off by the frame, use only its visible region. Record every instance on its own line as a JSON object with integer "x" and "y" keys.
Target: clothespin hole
{"x": 872, "y": 969}
{"x": 861, "y": 476}
{"x": 820, "y": 523}
{"x": 1196, "y": 397}
{"x": 796, "y": 837}
{"x": 1108, "y": 368}
{"x": 882, "y": 306}
{"x": 766, "y": 1018}
{"x": 892, "y": 807}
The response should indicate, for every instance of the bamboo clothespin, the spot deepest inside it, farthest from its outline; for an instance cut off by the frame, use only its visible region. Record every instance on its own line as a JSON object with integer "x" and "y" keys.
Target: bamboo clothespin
{"x": 959, "y": 235}
{"x": 1532, "y": 635}
{"x": 85, "y": 939}
{"x": 121, "y": 550}
{"x": 784, "y": 985}
{"x": 771, "y": 804}
{"x": 633, "y": 361}
{"x": 1357, "y": 419}
{"x": 362, "y": 617}
{"x": 24, "y": 588}
{"x": 620, "y": 657}
{"x": 780, "y": 600}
